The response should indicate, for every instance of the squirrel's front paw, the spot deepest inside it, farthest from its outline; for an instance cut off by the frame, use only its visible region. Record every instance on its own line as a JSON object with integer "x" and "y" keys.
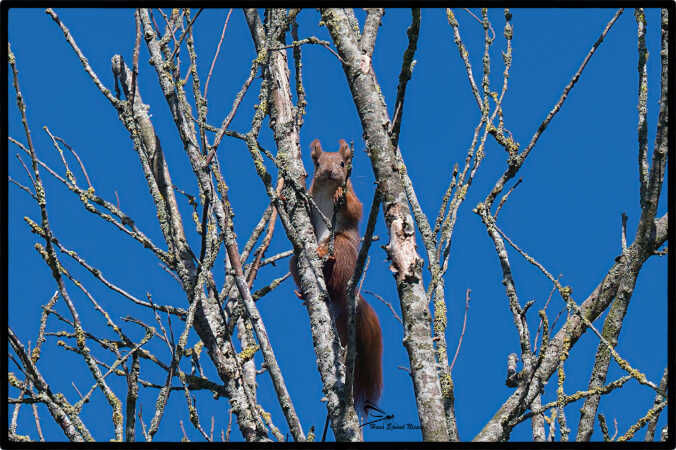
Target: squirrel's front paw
{"x": 338, "y": 195}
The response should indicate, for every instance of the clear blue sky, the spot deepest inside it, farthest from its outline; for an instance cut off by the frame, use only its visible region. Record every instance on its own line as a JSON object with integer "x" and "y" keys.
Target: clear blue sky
{"x": 578, "y": 180}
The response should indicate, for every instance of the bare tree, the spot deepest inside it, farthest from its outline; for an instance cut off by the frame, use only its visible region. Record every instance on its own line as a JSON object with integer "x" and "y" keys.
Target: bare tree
{"x": 225, "y": 316}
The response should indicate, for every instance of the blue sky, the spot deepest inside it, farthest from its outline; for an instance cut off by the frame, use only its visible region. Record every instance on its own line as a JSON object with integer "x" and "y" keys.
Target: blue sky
{"x": 578, "y": 180}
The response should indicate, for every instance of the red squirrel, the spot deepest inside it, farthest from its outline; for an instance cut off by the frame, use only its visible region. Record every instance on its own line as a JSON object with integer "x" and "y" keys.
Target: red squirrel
{"x": 326, "y": 190}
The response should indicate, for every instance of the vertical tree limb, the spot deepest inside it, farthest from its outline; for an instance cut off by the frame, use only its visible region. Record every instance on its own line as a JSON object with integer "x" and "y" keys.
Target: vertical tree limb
{"x": 261, "y": 334}
{"x": 294, "y": 215}
{"x": 406, "y": 264}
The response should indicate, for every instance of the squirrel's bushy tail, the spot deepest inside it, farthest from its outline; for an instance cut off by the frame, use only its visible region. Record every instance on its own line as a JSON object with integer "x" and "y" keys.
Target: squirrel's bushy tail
{"x": 368, "y": 370}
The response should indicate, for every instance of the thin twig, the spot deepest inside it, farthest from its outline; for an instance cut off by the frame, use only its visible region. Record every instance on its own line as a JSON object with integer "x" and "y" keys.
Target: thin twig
{"x": 185, "y": 436}
{"x": 152, "y": 18}
{"x": 544, "y": 309}
{"x": 34, "y": 407}
{"x": 570, "y": 85}
{"x": 464, "y": 55}
{"x": 227, "y": 432}
{"x": 444, "y": 201}
{"x": 25, "y": 167}
{"x": 389, "y": 305}
{"x": 76, "y": 389}
{"x": 366, "y": 268}
{"x": 260, "y": 252}
{"x": 479, "y": 20}
{"x": 311, "y": 40}
{"x": 267, "y": 289}
{"x": 504, "y": 198}
{"x": 105, "y": 91}
{"x": 218, "y": 50}
{"x": 464, "y": 325}
{"x": 235, "y": 105}
{"x": 84, "y": 171}
{"x": 17, "y": 406}
{"x": 21, "y": 186}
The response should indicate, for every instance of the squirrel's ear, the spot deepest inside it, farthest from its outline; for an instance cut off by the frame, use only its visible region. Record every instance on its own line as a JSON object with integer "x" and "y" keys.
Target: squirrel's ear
{"x": 345, "y": 150}
{"x": 316, "y": 148}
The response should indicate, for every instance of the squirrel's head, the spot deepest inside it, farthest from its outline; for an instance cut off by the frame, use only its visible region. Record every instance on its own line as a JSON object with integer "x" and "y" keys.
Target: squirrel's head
{"x": 331, "y": 167}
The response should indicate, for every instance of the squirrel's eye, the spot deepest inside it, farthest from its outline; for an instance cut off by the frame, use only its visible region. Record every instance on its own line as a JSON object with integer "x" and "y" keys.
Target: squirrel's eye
{"x": 342, "y": 164}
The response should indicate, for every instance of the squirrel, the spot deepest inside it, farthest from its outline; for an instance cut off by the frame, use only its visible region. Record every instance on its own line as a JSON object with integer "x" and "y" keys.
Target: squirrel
{"x": 327, "y": 190}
